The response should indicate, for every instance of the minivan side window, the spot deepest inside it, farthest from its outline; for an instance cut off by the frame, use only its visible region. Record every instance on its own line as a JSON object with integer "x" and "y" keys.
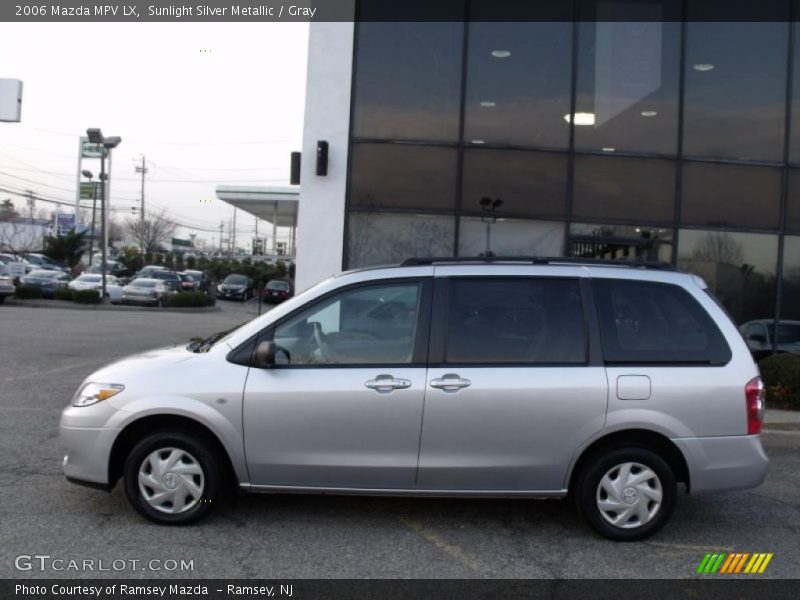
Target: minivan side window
{"x": 645, "y": 322}
{"x": 367, "y": 325}
{"x": 515, "y": 321}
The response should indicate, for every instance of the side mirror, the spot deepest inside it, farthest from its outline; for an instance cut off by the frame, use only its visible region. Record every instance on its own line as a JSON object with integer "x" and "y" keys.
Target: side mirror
{"x": 758, "y": 338}
{"x": 265, "y": 355}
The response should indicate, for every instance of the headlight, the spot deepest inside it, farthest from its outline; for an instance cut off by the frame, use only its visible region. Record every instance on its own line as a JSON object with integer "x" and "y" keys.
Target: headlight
{"x": 92, "y": 393}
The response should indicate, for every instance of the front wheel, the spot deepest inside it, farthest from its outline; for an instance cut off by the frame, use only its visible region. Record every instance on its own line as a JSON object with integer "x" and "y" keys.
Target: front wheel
{"x": 173, "y": 478}
{"x": 626, "y": 494}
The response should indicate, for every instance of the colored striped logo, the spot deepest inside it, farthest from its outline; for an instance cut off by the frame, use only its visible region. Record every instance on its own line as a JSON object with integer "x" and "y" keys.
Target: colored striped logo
{"x": 734, "y": 563}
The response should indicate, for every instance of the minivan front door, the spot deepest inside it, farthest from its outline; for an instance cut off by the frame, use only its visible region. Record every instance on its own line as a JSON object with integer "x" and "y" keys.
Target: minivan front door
{"x": 514, "y": 394}
{"x": 342, "y": 408}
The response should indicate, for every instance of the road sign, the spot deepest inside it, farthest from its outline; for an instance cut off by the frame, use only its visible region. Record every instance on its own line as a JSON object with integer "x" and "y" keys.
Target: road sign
{"x": 90, "y": 150}
{"x": 65, "y": 223}
{"x": 88, "y": 188}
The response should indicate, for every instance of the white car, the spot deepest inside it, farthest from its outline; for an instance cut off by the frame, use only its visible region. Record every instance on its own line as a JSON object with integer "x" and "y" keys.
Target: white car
{"x": 94, "y": 281}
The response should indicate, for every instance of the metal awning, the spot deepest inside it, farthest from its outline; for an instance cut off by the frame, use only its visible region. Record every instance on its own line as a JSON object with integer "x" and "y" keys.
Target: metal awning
{"x": 276, "y": 205}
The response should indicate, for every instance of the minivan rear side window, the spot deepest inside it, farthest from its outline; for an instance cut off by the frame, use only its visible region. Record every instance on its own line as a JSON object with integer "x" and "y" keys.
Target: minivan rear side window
{"x": 645, "y": 322}
{"x": 515, "y": 321}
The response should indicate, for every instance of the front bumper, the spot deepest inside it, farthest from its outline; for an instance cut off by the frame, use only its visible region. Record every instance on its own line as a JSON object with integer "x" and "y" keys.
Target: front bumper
{"x": 87, "y": 448}
{"x": 724, "y": 463}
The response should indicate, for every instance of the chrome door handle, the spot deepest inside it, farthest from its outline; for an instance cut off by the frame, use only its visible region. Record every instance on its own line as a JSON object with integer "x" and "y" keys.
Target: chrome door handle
{"x": 450, "y": 383}
{"x": 387, "y": 383}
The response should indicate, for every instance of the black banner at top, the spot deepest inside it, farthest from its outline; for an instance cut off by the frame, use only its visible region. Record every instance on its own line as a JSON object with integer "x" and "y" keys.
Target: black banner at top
{"x": 395, "y": 10}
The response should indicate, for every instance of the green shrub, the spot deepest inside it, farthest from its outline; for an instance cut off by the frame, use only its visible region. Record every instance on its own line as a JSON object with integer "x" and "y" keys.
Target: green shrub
{"x": 781, "y": 374}
{"x": 86, "y": 296}
{"x": 188, "y": 299}
{"x": 28, "y": 292}
{"x": 63, "y": 294}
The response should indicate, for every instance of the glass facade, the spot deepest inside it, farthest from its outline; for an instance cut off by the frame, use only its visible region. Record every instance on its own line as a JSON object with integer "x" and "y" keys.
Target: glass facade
{"x": 663, "y": 138}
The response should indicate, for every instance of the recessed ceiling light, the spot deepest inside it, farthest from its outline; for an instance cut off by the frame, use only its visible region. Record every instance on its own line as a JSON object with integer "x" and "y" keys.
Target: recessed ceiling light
{"x": 478, "y": 142}
{"x": 703, "y": 67}
{"x": 488, "y": 104}
{"x": 581, "y": 118}
{"x": 501, "y": 53}
{"x": 609, "y": 149}
{"x": 649, "y": 113}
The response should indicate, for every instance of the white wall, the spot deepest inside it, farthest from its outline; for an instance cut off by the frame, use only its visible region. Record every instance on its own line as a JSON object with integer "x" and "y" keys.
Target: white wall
{"x": 321, "y": 214}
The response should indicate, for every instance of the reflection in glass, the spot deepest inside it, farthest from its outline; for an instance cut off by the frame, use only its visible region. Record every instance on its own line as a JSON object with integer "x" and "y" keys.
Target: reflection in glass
{"x": 386, "y": 238}
{"x": 790, "y": 302}
{"x": 735, "y": 82}
{"x": 518, "y": 81}
{"x": 628, "y": 79}
{"x": 510, "y": 237}
{"x": 408, "y": 80}
{"x": 403, "y": 176}
{"x": 629, "y": 242}
{"x": 528, "y": 183}
{"x": 740, "y": 268}
{"x": 613, "y": 187}
{"x": 793, "y": 201}
{"x": 718, "y": 195}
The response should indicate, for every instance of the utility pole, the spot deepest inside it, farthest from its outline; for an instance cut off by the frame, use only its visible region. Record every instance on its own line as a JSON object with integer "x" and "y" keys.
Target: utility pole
{"x": 143, "y": 171}
{"x": 221, "y": 228}
{"x": 255, "y": 246}
{"x": 31, "y": 202}
{"x": 233, "y": 244}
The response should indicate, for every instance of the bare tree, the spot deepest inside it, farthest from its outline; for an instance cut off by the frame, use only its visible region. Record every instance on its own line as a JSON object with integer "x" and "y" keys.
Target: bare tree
{"x": 116, "y": 232}
{"x": 152, "y": 233}
{"x": 719, "y": 247}
{"x": 20, "y": 237}
{"x": 7, "y": 210}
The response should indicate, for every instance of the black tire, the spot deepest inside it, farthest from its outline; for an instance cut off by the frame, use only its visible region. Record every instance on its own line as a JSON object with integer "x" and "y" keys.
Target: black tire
{"x": 586, "y": 492}
{"x": 199, "y": 449}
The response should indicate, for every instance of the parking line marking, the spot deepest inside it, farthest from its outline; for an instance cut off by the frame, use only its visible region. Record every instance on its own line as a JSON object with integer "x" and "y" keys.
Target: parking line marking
{"x": 56, "y": 370}
{"x": 451, "y": 549}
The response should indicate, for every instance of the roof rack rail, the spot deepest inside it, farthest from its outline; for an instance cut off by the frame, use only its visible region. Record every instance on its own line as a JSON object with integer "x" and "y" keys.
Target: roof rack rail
{"x": 539, "y": 260}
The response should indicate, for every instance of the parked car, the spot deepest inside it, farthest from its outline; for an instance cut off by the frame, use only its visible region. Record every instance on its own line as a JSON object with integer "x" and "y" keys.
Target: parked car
{"x": 40, "y": 261}
{"x": 47, "y": 281}
{"x": 7, "y": 259}
{"x": 170, "y": 278}
{"x": 236, "y": 287}
{"x": 151, "y": 292}
{"x": 147, "y": 271}
{"x": 200, "y": 277}
{"x": 187, "y": 283}
{"x": 277, "y": 290}
{"x": 113, "y": 267}
{"x": 94, "y": 281}
{"x": 612, "y": 384}
{"x": 759, "y": 335}
{"x": 6, "y": 283}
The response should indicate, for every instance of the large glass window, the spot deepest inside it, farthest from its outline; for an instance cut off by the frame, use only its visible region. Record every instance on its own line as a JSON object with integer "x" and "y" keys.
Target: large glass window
{"x": 627, "y": 80}
{"x": 643, "y": 322}
{"x": 613, "y": 187}
{"x": 624, "y": 242}
{"x": 735, "y": 87}
{"x": 368, "y": 325}
{"x": 403, "y": 176}
{"x": 790, "y": 302}
{"x": 740, "y": 269}
{"x": 408, "y": 77}
{"x": 793, "y": 202}
{"x": 518, "y": 74}
{"x": 718, "y": 195}
{"x": 509, "y": 237}
{"x": 529, "y": 184}
{"x": 377, "y": 238}
{"x": 515, "y": 321}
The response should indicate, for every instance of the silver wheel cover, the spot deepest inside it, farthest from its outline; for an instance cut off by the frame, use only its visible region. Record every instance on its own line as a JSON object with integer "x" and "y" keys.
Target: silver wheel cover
{"x": 171, "y": 480}
{"x": 629, "y": 495}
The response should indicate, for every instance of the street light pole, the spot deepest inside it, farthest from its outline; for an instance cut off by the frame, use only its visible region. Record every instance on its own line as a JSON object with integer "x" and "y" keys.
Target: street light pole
{"x": 143, "y": 171}
{"x": 90, "y": 176}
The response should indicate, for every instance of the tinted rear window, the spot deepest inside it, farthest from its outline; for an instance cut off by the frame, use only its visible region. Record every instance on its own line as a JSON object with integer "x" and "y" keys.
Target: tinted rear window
{"x": 515, "y": 321}
{"x": 645, "y": 322}
{"x": 277, "y": 285}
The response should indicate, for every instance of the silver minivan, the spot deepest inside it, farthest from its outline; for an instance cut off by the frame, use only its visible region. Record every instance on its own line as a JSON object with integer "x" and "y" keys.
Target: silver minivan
{"x": 538, "y": 378}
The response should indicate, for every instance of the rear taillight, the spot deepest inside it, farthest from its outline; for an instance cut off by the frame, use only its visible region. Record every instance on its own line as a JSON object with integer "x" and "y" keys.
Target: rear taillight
{"x": 754, "y": 393}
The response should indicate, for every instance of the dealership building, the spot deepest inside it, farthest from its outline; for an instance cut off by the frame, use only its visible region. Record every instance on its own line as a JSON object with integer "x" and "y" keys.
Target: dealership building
{"x": 653, "y": 134}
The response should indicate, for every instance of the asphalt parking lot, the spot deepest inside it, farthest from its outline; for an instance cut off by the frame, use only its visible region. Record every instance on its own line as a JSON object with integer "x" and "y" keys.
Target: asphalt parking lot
{"x": 46, "y": 352}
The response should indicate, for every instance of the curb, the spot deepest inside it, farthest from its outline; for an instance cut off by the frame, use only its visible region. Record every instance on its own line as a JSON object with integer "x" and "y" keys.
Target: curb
{"x": 64, "y": 304}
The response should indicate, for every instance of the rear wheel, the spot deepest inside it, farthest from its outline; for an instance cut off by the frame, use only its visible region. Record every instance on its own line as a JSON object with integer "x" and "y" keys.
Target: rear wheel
{"x": 173, "y": 478}
{"x": 626, "y": 494}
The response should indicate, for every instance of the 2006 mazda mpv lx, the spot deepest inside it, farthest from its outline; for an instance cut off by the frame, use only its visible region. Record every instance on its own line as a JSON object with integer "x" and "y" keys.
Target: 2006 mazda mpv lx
{"x": 535, "y": 378}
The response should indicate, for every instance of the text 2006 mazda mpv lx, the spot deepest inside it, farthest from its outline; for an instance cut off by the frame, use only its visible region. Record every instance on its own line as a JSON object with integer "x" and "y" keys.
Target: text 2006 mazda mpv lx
{"x": 495, "y": 378}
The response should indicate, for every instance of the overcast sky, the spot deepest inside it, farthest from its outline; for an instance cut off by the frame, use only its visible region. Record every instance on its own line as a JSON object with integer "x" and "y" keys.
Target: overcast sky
{"x": 207, "y": 104}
